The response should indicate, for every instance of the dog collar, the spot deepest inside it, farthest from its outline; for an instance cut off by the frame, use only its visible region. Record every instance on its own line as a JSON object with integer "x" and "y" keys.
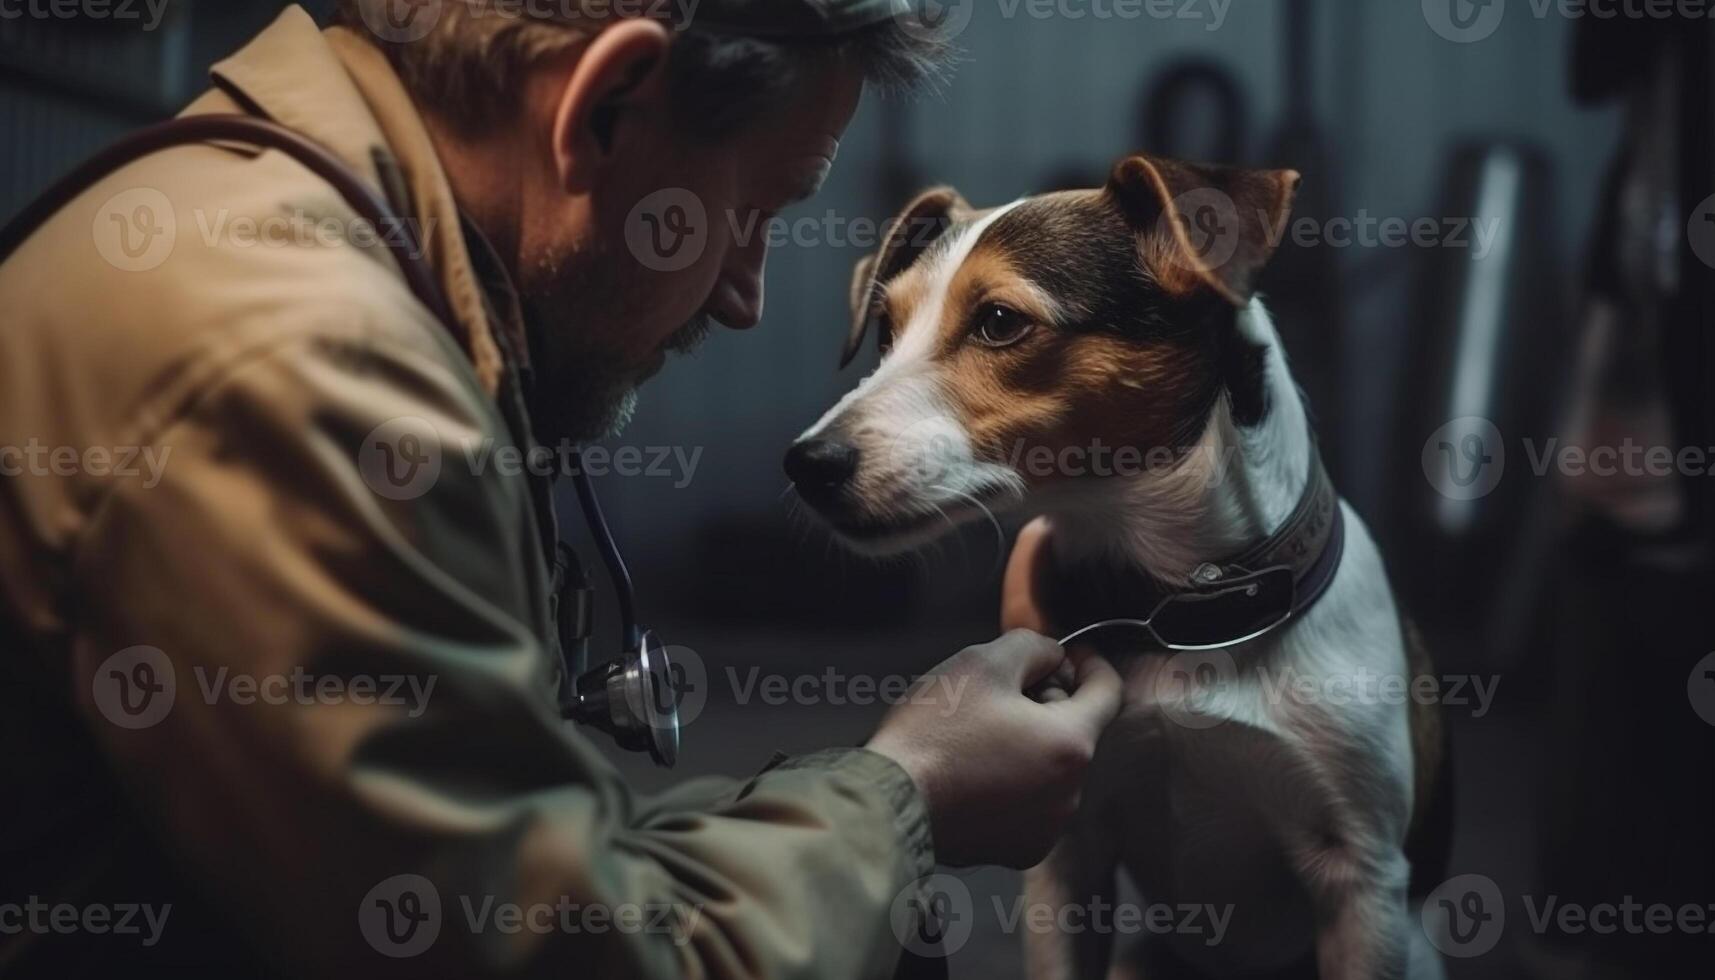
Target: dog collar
{"x": 1227, "y": 602}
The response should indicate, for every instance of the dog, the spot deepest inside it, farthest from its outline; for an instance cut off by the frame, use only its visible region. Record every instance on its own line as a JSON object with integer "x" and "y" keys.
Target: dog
{"x": 1023, "y": 345}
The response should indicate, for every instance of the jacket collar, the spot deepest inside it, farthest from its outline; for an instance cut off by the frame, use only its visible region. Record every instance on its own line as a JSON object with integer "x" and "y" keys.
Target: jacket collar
{"x": 338, "y": 89}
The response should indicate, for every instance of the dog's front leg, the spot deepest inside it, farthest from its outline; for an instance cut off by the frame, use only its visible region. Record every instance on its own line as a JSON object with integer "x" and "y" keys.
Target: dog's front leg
{"x": 1079, "y": 872}
{"x": 1362, "y": 917}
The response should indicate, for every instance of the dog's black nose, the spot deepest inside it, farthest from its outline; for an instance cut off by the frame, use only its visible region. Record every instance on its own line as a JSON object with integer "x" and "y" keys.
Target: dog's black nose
{"x": 820, "y": 467}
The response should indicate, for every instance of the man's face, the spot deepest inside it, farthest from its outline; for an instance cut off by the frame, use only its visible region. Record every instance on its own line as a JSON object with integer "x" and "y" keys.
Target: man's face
{"x": 672, "y": 239}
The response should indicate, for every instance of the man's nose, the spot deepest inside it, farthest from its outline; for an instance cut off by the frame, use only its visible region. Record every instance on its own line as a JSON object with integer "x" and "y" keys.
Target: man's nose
{"x": 820, "y": 468}
{"x": 739, "y": 295}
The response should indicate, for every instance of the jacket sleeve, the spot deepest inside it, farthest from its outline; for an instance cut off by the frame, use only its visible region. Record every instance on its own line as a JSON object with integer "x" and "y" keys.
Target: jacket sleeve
{"x": 361, "y": 763}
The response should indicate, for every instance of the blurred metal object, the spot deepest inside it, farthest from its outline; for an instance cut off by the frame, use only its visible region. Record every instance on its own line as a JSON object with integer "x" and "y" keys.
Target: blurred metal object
{"x": 1487, "y": 361}
{"x": 1196, "y": 110}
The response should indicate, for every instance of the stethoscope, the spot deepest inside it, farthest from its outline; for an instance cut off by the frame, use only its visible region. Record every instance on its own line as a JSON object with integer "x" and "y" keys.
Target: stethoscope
{"x": 632, "y": 696}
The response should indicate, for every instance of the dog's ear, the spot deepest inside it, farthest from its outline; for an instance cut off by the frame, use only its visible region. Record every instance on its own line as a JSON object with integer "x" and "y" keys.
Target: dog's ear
{"x": 1203, "y": 225}
{"x": 906, "y": 237}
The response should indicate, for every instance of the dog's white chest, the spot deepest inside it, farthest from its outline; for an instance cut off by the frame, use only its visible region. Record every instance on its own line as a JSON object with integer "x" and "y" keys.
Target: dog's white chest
{"x": 1202, "y": 794}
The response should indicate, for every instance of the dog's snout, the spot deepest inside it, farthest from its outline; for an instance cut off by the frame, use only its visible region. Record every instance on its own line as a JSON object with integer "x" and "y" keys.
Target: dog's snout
{"x": 819, "y": 468}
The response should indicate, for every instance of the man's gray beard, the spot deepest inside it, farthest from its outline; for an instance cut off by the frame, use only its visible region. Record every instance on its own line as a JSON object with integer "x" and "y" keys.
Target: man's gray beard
{"x": 689, "y": 337}
{"x": 583, "y": 391}
{"x": 595, "y": 398}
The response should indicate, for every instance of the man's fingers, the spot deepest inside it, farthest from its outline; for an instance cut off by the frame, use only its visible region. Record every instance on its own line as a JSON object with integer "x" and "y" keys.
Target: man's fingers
{"x": 1019, "y": 608}
{"x": 1096, "y": 700}
{"x": 1086, "y": 662}
{"x": 1029, "y": 657}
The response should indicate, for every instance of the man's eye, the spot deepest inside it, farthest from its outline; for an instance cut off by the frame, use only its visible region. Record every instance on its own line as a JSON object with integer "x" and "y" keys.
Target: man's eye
{"x": 999, "y": 326}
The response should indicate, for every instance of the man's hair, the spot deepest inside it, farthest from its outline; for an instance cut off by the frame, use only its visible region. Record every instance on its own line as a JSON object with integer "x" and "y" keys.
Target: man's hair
{"x": 469, "y": 67}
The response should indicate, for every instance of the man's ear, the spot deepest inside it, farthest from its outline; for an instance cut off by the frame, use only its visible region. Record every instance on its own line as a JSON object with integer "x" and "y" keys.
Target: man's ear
{"x": 909, "y": 234}
{"x": 1204, "y": 225}
{"x": 622, "y": 67}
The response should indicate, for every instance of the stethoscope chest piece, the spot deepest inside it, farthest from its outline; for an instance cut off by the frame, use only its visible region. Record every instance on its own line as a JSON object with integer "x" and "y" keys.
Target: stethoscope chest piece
{"x": 634, "y": 700}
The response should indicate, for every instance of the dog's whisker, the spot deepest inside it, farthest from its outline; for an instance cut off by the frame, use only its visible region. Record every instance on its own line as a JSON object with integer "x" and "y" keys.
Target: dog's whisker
{"x": 994, "y": 522}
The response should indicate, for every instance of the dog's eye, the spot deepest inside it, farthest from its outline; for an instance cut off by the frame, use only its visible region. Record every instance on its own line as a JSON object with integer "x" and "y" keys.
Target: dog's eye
{"x": 999, "y": 326}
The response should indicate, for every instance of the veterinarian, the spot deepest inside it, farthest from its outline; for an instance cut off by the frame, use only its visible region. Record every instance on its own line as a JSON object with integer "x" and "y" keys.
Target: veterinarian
{"x": 161, "y": 629}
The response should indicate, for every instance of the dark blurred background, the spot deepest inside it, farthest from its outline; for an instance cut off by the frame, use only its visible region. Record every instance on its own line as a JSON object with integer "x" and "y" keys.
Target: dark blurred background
{"x": 1582, "y": 146}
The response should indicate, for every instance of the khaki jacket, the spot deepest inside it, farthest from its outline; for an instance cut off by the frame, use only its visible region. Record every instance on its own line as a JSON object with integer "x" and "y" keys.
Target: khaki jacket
{"x": 199, "y": 584}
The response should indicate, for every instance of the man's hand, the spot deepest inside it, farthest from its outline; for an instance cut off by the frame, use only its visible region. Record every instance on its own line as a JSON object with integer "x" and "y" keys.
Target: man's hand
{"x": 1001, "y": 771}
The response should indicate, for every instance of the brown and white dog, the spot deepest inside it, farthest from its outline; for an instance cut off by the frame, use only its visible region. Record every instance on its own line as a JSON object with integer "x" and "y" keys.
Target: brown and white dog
{"x": 1099, "y": 357}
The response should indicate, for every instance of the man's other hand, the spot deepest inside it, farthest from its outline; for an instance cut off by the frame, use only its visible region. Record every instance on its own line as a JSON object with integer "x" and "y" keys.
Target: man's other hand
{"x": 1000, "y": 770}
